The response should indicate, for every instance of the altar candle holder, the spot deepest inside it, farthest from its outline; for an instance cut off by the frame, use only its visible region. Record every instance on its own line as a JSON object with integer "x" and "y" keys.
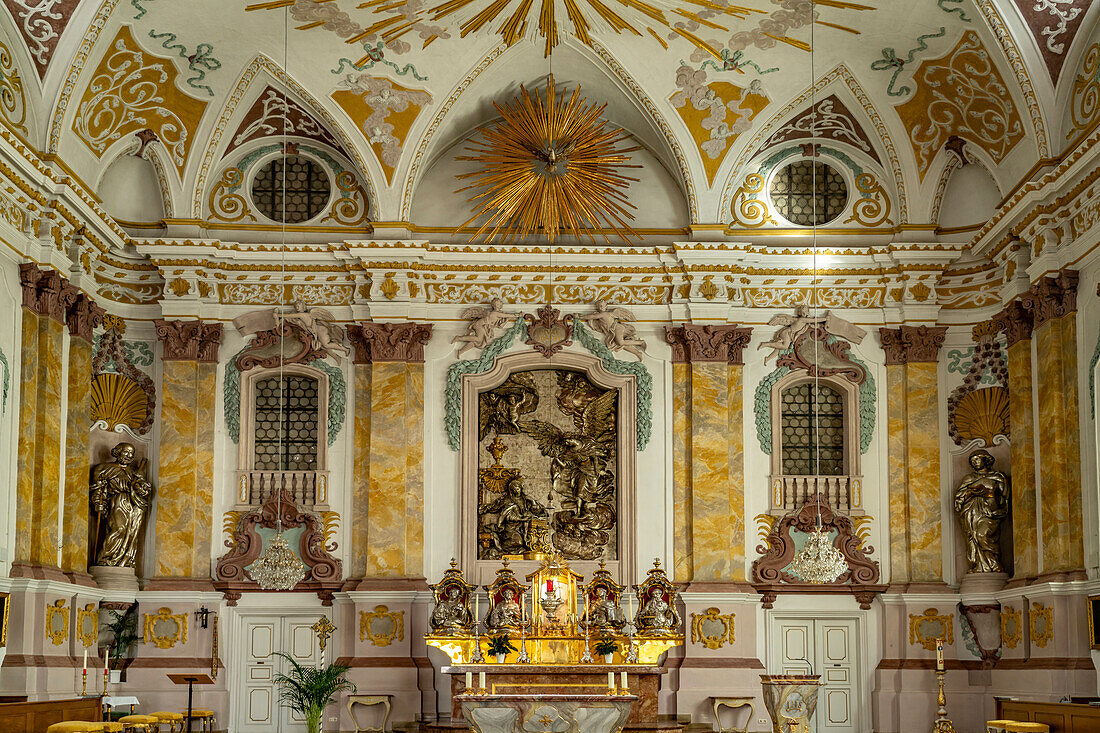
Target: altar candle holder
{"x": 524, "y": 622}
{"x": 481, "y": 684}
{"x": 942, "y": 724}
{"x": 611, "y": 691}
{"x": 84, "y": 682}
{"x": 586, "y": 658}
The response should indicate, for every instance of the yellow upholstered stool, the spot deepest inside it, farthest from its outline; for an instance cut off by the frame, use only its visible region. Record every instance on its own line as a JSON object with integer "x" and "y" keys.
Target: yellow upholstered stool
{"x": 1015, "y": 726}
{"x": 205, "y": 719}
{"x": 174, "y": 721}
{"x": 142, "y": 723}
{"x": 75, "y": 726}
{"x": 114, "y": 727}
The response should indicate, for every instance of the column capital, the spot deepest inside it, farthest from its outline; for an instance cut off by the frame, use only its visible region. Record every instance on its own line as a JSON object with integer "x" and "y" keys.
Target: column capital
{"x": 1052, "y": 297}
{"x": 189, "y": 340}
{"x": 695, "y": 344}
{"x": 1016, "y": 322}
{"x": 379, "y": 342}
{"x": 83, "y": 316}
{"x": 46, "y": 292}
{"x": 912, "y": 344}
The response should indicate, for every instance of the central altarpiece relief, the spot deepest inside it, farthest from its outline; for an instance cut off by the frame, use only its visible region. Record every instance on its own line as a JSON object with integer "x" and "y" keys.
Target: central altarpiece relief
{"x": 548, "y": 469}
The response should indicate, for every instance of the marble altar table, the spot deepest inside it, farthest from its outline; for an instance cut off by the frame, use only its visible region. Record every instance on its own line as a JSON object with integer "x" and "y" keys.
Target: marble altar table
{"x": 547, "y": 713}
{"x": 561, "y": 679}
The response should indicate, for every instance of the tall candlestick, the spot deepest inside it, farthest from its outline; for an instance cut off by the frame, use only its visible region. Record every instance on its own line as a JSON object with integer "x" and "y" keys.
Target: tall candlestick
{"x": 939, "y": 655}
{"x": 85, "y": 665}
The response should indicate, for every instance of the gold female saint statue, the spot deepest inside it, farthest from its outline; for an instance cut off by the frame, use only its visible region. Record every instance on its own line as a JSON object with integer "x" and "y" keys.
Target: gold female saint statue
{"x": 982, "y": 501}
{"x": 121, "y": 496}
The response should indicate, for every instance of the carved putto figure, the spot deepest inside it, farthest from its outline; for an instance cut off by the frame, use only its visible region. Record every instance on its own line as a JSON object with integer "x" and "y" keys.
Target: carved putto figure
{"x": 321, "y": 326}
{"x": 484, "y": 321}
{"x": 982, "y": 501}
{"x": 616, "y": 327}
{"x": 794, "y": 326}
{"x": 121, "y": 495}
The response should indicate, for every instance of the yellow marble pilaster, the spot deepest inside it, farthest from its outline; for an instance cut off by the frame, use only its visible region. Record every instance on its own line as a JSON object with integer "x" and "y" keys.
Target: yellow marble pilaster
{"x": 898, "y": 440}
{"x": 414, "y": 473}
{"x": 184, "y": 498}
{"x": 916, "y": 553}
{"x": 388, "y": 500}
{"x": 1025, "y": 548}
{"x": 26, "y": 481}
{"x": 74, "y": 523}
{"x": 683, "y": 563}
{"x": 708, "y": 452}
{"x": 360, "y": 481}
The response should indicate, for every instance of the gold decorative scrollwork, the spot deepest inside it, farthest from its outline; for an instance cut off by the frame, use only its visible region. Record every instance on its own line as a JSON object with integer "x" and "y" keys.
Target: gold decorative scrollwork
{"x": 87, "y": 625}
{"x": 351, "y": 207}
{"x": 747, "y": 210}
{"x": 57, "y": 622}
{"x": 925, "y": 628}
{"x": 712, "y": 628}
{"x": 873, "y": 206}
{"x": 225, "y": 203}
{"x": 165, "y": 629}
{"x": 381, "y": 626}
{"x": 1041, "y": 624}
{"x": 1012, "y": 626}
{"x": 13, "y": 104}
{"x": 1086, "y": 91}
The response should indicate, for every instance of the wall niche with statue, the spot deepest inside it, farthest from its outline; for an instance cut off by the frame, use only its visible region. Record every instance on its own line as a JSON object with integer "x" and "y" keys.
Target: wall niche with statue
{"x": 548, "y": 464}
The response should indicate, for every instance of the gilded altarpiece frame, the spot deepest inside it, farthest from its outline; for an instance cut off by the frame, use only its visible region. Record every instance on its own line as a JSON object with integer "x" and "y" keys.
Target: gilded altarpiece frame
{"x": 481, "y": 569}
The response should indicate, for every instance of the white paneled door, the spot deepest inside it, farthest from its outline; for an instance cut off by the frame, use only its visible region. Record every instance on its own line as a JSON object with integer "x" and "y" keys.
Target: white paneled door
{"x": 829, "y": 647}
{"x": 257, "y": 696}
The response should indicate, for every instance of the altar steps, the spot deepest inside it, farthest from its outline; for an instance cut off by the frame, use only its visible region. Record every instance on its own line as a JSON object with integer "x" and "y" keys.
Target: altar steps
{"x": 660, "y": 726}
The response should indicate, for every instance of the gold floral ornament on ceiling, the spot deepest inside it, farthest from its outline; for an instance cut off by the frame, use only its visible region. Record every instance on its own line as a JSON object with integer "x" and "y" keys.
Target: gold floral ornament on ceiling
{"x": 550, "y": 167}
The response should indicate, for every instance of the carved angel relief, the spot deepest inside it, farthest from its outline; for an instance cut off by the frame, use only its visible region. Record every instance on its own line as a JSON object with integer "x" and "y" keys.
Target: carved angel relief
{"x": 560, "y": 433}
{"x": 293, "y": 337}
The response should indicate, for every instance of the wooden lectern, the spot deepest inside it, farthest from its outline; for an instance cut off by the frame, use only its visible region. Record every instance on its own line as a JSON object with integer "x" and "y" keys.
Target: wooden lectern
{"x": 190, "y": 680}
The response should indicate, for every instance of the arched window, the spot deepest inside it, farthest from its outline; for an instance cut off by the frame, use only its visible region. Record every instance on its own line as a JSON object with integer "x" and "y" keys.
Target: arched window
{"x": 283, "y": 435}
{"x": 815, "y": 443}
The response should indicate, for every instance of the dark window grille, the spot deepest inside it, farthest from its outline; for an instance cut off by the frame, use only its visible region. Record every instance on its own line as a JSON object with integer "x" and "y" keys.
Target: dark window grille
{"x": 286, "y": 423}
{"x": 792, "y": 193}
{"x": 307, "y": 189}
{"x": 801, "y": 434}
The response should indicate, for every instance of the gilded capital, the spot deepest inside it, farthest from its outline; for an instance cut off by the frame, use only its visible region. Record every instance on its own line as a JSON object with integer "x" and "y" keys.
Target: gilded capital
{"x": 699, "y": 344}
{"x": 912, "y": 344}
{"x": 189, "y": 340}
{"x": 377, "y": 342}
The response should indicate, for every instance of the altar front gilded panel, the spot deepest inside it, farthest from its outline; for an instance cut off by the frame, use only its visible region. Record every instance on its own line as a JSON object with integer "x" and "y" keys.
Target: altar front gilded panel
{"x": 547, "y": 468}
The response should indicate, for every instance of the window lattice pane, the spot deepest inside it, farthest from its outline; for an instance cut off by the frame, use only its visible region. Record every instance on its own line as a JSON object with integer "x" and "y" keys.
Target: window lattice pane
{"x": 307, "y": 189}
{"x": 801, "y": 432}
{"x": 285, "y": 431}
{"x": 792, "y": 189}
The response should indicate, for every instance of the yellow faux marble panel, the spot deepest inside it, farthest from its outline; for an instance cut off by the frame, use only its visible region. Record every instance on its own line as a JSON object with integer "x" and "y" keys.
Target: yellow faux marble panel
{"x": 388, "y": 470}
{"x": 899, "y": 476}
{"x": 1059, "y": 447}
{"x": 414, "y": 480}
{"x": 735, "y": 434}
{"x": 360, "y": 480}
{"x": 681, "y": 474}
{"x": 1025, "y": 548}
{"x": 923, "y": 468}
{"x": 715, "y": 114}
{"x": 186, "y": 470}
{"x": 132, "y": 90}
{"x": 28, "y": 411}
{"x": 74, "y": 523}
{"x": 710, "y": 492}
{"x": 383, "y": 112}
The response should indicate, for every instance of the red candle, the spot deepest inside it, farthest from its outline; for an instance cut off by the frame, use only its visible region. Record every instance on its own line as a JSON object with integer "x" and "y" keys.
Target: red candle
{"x": 549, "y": 585}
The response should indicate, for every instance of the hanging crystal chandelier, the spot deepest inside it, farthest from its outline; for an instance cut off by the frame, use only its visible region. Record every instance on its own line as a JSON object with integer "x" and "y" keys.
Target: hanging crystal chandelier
{"x": 278, "y": 568}
{"x": 818, "y": 562}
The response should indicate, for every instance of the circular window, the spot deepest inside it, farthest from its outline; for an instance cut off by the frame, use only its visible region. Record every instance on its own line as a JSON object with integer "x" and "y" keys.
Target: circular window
{"x": 292, "y": 190}
{"x": 793, "y": 195}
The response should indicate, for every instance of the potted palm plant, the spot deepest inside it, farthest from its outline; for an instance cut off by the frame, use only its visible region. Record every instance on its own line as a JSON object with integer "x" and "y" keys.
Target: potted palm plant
{"x": 309, "y": 690}
{"x": 607, "y": 648}
{"x": 499, "y": 646}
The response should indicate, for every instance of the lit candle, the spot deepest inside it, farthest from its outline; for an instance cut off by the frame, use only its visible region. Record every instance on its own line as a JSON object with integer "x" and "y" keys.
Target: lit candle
{"x": 611, "y": 682}
{"x": 85, "y": 666}
{"x": 939, "y": 655}
{"x": 469, "y": 682}
{"x": 481, "y": 681}
{"x": 549, "y": 585}
{"x": 622, "y": 681}
{"x": 106, "y": 660}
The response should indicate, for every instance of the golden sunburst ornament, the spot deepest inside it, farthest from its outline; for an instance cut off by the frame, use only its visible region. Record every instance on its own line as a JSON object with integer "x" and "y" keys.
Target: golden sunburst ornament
{"x": 550, "y": 166}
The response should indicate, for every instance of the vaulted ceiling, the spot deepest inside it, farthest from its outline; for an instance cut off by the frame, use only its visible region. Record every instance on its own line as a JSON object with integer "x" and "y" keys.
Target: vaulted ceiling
{"x": 715, "y": 91}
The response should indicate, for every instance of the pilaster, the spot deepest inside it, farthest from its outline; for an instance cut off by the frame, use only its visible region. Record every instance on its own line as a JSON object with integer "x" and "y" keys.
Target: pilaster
{"x": 708, "y": 452}
{"x": 388, "y": 491}
{"x": 914, "y": 452}
{"x": 184, "y": 498}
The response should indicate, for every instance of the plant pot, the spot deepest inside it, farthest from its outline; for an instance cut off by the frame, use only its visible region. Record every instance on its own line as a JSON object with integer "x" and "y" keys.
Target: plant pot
{"x": 500, "y": 658}
{"x": 608, "y": 657}
{"x": 313, "y": 726}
